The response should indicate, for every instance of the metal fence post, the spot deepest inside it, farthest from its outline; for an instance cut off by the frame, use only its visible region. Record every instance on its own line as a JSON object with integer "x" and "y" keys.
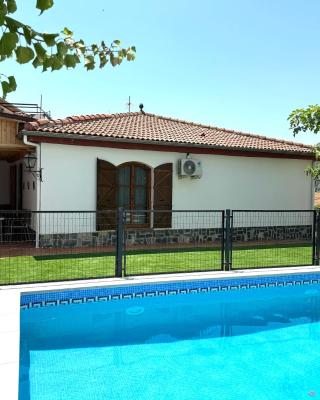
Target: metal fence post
{"x": 223, "y": 220}
{"x": 119, "y": 247}
{"x": 228, "y": 241}
{"x": 316, "y": 238}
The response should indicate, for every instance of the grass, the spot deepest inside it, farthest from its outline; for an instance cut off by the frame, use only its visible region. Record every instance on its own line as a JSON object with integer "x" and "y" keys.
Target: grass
{"x": 80, "y": 266}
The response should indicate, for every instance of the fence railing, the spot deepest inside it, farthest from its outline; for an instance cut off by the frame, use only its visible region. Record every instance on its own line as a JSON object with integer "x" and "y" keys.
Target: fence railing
{"x": 56, "y": 246}
{"x": 72, "y": 245}
{"x": 277, "y": 238}
{"x": 188, "y": 241}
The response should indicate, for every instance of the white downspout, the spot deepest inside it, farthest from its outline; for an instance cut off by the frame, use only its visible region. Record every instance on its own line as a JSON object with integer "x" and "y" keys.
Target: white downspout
{"x": 38, "y": 187}
{"x": 313, "y": 188}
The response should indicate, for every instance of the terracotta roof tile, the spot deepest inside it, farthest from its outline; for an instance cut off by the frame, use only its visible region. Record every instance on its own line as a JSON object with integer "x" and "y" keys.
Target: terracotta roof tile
{"x": 158, "y": 129}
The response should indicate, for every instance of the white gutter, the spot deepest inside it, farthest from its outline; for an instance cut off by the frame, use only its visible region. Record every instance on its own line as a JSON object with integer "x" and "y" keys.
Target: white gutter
{"x": 313, "y": 186}
{"x": 38, "y": 187}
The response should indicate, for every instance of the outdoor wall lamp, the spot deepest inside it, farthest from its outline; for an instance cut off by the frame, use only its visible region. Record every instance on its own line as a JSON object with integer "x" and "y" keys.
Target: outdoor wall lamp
{"x": 30, "y": 161}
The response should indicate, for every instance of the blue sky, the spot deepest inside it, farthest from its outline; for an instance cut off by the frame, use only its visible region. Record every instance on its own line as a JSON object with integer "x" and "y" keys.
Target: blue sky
{"x": 237, "y": 64}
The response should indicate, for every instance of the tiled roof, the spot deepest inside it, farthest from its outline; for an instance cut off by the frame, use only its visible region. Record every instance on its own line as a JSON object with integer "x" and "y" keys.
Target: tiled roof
{"x": 145, "y": 127}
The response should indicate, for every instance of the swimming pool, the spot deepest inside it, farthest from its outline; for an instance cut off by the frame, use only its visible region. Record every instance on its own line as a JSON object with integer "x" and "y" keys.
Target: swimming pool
{"x": 248, "y": 338}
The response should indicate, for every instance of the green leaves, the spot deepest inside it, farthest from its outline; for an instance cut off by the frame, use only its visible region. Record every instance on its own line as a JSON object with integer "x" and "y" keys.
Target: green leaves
{"x": 131, "y": 56}
{"x": 12, "y": 24}
{"x": 40, "y": 51}
{"x": 314, "y": 170}
{"x": 44, "y": 5}
{"x": 11, "y": 6}
{"x": 117, "y": 57}
{"x": 308, "y": 119}
{"x": 62, "y": 49}
{"x": 51, "y": 51}
{"x": 67, "y": 32}
{"x": 56, "y": 63}
{"x": 8, "y": 43}
{"x": 89, "y": 62}
{"x": 37, "y": 62}
{"x": 103, "y": 60}
{"x": 71, "y": 60}
{"x": 3, "y": 9}
{"x": 50, "y": 39}
{"x": 29, "y": 34}
{"x": 8, "y": 86}
{"x": 24, "y": 54}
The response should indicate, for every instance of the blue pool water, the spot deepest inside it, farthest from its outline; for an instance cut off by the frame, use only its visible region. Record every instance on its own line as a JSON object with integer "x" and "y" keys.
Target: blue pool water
{"x": 261, "y": 344}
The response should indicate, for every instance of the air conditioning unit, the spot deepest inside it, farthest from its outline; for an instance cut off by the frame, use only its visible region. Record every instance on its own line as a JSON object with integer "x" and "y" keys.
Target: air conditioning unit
{"x": 188, "y": 167}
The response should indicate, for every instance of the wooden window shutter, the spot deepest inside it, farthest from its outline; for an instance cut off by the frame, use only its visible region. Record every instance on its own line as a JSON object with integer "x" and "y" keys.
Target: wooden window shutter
{"x": 106, "y": 195}
{"x": 162, "y": 195}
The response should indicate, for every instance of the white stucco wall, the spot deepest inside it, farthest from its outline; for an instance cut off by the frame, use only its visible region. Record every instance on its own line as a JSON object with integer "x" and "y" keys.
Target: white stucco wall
{"x": 69, "y": 180}
{"x": 29, "y": 190}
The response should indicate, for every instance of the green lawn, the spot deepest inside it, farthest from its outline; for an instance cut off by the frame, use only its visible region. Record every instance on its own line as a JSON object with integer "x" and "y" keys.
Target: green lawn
{"x": 77, "y": 266}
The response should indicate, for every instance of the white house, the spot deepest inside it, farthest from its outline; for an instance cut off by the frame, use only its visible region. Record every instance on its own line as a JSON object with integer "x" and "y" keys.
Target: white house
{"x": 105, "y": 161}
{"x": 138, "y": 161}
{"x": 141, "y": 161}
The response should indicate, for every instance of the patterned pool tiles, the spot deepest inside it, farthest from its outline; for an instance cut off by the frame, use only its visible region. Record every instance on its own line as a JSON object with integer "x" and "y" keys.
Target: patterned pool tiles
{"x": 72, "y": 296}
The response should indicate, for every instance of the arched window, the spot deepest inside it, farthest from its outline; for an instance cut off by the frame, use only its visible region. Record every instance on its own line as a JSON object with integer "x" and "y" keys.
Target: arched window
{"x": 133, "y": 190}
{"x": 129, "y": 186}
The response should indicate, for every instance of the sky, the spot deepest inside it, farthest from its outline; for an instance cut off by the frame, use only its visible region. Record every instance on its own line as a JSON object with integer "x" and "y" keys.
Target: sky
{"x": 238, "y": 64}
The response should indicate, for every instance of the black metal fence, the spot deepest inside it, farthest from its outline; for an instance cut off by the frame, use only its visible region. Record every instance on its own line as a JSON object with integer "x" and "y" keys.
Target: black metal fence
{"x": 277, "y": 238}
{"x": 56, "y": 246}
{"x": 188, "y": 241}
{"x": 72, "y": 245}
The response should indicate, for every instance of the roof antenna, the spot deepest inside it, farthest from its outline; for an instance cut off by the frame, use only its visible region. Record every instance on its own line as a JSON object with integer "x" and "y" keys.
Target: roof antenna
{"x": 141, "y": 108}
{"x": 129, "y": 104}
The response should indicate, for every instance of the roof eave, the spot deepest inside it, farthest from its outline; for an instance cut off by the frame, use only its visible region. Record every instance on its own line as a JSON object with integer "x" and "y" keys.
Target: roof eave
{"x": 73, "y": 136}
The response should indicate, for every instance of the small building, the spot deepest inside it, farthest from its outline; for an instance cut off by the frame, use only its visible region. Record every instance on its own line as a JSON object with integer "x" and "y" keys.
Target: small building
{"x": 143, "y": 161}
{"x": 85, "y": 167}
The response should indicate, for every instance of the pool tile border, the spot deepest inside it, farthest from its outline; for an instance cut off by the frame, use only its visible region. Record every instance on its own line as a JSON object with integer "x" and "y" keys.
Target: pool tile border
{"x": 89, "y": 295}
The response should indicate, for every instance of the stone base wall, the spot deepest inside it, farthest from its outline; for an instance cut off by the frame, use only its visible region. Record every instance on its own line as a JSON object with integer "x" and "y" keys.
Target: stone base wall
{"x": 175, "y": 236}
{"x": 297, "y": 232}
{"x": 70, "y": 240}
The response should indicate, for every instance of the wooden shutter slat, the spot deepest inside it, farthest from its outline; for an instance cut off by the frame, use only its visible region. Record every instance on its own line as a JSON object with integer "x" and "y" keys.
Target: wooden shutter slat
{"x": 162, "y": 195}
{"x": 106, "y": 195}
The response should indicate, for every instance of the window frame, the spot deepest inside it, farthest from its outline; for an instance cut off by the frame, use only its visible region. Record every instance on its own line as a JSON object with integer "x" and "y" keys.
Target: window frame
{"x": 133, "y": 165}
